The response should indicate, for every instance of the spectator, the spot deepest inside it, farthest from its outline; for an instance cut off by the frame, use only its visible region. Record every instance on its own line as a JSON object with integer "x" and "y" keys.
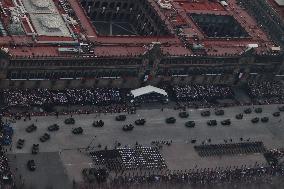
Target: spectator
{"x": 266, "y": 92}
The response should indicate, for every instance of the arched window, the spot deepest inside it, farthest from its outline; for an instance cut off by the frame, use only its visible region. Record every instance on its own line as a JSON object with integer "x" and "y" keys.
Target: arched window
{"x": 90, "y": 3}
{"x": 94, "y": 15}
{"x": 118, "y": 4}
{"x": 105, "y": 4}
{"x": 131, "y": 5}
{"x": 125, "y": 5}
{"x": 97, "y": 4}
{"x": 111, "y": 5}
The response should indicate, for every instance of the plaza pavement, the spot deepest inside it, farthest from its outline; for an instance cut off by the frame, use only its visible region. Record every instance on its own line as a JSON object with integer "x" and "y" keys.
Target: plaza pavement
{"x": 63, "y": 157}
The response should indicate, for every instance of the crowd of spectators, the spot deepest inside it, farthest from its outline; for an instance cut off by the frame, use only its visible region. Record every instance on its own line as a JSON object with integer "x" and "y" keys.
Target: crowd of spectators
{"x": 5, "y": 173}
{"x": 266, "y": 92}
{"x": 274, "y": 156}
{"x": 205, "y": 176}
{"x": 104, "y": 96}
{"x": 202, "y": 92}
{"x": 107, "y": 100}
{"x": 80, "y": 96}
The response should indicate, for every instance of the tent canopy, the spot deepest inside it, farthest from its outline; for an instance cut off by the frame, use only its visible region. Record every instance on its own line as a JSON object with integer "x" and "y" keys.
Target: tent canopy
{"x": 147, "y": 90}
{"x": 224, "y": 3}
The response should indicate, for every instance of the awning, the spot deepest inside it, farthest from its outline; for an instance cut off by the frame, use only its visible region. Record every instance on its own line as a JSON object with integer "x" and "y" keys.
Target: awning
{"x": 147, "y": 90}
{"x": 275, "y": 48}
{"x": 224, "y": 3}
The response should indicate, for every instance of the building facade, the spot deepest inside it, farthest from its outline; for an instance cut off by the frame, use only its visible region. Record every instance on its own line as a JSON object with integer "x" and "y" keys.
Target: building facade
{"x": 151, "y": 68}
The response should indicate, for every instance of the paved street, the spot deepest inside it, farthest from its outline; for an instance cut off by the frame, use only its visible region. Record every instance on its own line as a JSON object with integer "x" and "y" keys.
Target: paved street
{"x": 49, "y": 172}
{"x": 63, "y": 155}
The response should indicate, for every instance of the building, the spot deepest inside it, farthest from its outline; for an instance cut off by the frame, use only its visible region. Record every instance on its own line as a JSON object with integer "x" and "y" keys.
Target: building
{"x": 129, "y": 43}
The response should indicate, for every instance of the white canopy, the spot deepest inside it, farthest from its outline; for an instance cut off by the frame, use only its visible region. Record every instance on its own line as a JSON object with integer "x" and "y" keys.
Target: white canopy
{"x": 275, "y": 48}
{"x": 224, "y": 3}
{"x": 252, "y": 45}
{"x": 146, "y": 90}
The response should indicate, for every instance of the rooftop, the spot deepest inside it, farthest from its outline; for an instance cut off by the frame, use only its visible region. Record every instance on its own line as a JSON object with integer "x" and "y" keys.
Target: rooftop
{"x": 49, "y": 25}
{"x": 280, "y": 2}
{"x": 40, "y": 25}
{"x": 40, "y": 6}
{"x": 278, "y": 6}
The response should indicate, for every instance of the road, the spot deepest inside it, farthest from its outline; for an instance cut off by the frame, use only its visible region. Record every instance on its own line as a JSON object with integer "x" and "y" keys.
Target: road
{"x": 63, "y": 157}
